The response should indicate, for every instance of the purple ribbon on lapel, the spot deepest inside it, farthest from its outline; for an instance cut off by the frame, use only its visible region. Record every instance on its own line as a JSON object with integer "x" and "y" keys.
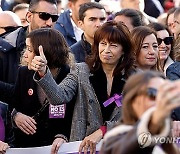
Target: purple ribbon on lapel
{"x": 116, "y": 98}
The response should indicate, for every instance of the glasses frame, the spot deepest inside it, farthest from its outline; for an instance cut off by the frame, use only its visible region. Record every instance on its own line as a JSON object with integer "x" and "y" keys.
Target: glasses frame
{"x": 152, "y": 93}
{"x": 149, "y": 92}
{"x": 45, "y": 16}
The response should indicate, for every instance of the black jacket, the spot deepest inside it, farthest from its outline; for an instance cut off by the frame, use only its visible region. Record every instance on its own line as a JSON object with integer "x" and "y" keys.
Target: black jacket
{"x": 80, "y": 49}
{"x": 11, "y": 47}
{"x": 65, "y": 26}
{"x": 27, "y": 104}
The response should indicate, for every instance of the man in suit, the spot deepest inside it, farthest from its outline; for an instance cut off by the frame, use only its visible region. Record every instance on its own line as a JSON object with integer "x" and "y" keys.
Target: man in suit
{"x": 67, "y": 23}
{"x": 91, "y": 16}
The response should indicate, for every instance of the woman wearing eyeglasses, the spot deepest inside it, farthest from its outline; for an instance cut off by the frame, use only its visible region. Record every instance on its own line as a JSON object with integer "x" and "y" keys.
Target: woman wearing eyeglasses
{"x": 165, "y": 43}
{"x": 145, "y": 49}
{"x": 148, "y": 100}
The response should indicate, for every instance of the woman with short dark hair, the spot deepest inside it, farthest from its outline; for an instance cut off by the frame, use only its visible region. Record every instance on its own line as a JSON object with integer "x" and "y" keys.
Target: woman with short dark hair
{"x": 96, "y": 82}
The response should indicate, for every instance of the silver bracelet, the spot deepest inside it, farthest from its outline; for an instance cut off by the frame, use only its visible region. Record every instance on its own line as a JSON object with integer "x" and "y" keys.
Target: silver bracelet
{"x": 61, "y": 136}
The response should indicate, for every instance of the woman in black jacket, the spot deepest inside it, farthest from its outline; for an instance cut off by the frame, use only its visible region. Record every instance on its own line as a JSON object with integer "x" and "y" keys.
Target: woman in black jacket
{"x": 39, "y": 123}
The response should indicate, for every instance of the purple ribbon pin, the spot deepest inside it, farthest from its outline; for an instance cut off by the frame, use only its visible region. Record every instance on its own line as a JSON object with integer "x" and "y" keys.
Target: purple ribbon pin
{"x": 116, "y": 98}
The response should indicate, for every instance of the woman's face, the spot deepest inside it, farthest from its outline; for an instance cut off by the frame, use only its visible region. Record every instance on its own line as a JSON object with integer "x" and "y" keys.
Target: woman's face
{"x": 29, "y": 53}
{"x": 164, "y": 47}
{"x": 110, "y": 52}
{"x": 147, "y": 99}
{"x": 149, "y": 52}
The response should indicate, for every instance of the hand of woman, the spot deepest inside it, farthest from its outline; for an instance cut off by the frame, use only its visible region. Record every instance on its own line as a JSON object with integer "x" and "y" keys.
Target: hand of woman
{"x": 90, "y": 142}
{"x": 168, "y": 98}
{"x": 3, "y": 147}
{"x": 39, "y": 62}
{"x": 56, "y": 145}
{"x": 25, "y": 123}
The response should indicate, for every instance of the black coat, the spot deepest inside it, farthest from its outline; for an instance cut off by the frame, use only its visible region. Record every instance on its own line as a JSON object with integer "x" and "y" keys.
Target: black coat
{"x": 27, "y": 104}
{"x": 10, "y": 54}
{"x": 81, "y": 49}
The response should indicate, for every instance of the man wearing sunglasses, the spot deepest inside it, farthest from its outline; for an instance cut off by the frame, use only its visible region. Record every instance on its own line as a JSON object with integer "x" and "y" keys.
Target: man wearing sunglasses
{"x": 67, "y": 22}
{"x": 8, "y": 22}
{"x": 42, "y": 13}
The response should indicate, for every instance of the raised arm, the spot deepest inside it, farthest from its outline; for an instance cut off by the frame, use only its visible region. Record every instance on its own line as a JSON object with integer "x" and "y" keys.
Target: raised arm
{"x": 57, "y": 94}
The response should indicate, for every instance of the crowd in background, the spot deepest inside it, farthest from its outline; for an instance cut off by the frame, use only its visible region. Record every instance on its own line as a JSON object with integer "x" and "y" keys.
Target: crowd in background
{"x": 78, "y": 70}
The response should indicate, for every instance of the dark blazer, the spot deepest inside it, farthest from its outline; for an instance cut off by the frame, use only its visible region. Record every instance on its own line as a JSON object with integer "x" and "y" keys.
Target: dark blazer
{"x": 29, "y": 104}
{"x": 81, "y": 49}
{"x": 11, "y": 47}
{"x": 64, "y": 25}
{"x": 173, "y": 73}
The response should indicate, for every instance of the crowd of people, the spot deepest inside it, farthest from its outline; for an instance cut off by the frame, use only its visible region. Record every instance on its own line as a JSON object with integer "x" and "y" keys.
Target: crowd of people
{"x": 87, "y": 73}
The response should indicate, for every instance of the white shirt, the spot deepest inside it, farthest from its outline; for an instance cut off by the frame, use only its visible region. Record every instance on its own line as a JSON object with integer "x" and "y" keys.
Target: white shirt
{"x": 77, "y": 31}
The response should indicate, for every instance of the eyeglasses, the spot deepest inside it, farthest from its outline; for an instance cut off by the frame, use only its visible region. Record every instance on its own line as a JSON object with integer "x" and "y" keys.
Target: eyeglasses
{"x": 45, "y": 16}
{"x": 152, "y": 93}
{"x": 9, "y": 28}
{"x": 166, "y": 40}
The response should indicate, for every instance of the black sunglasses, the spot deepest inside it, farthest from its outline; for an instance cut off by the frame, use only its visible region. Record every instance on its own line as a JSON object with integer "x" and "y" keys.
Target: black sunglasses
{"x": 166, "y": 40}
{"x": 9, "y": 28}
{"x": 152, "y": 93}
{"x": 45, "y": 16}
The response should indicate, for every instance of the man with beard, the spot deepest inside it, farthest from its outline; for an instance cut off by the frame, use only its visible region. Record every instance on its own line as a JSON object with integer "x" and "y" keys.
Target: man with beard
{"x": 42, "y": 13}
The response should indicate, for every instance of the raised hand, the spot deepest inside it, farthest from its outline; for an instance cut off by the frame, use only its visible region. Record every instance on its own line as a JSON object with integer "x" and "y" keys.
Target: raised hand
{"x": 39, "y": 62}
{"x": 25, "y": 123}
{"x": 168, "y": 98}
